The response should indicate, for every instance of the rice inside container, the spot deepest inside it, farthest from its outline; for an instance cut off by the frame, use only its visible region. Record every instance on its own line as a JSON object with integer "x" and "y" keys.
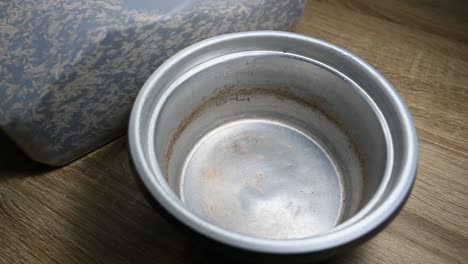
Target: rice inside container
{"x": 70, "y": 70}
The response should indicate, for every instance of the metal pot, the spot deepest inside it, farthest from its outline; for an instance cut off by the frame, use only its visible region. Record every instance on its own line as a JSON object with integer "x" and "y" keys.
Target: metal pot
{"x": 274, "y": 143}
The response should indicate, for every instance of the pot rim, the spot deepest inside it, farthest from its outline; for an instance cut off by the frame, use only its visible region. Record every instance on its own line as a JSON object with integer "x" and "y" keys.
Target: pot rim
{"x": 153, "y": 178}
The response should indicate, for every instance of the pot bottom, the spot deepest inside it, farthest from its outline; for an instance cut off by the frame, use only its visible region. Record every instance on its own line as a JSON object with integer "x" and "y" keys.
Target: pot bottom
{"x": 264, "y": 178}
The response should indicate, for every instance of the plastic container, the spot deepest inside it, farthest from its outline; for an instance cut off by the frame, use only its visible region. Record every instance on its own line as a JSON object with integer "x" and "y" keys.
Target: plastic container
{"x": 70, "y": 70}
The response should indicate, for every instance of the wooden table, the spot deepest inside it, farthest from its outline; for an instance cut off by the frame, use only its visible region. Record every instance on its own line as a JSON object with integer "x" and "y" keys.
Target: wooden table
{"x": 91, "y": 210}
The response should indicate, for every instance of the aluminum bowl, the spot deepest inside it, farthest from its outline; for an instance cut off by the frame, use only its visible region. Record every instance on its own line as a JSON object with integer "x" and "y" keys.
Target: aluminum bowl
{"x": 274, "y": 143}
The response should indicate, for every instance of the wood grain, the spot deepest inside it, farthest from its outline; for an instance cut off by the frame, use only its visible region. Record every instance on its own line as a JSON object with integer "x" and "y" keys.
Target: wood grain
{"x": 91, "y": 211}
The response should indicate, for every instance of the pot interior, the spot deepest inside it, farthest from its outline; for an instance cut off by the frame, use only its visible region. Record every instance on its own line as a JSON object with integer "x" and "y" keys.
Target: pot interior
{"x": 270, "y": 144}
